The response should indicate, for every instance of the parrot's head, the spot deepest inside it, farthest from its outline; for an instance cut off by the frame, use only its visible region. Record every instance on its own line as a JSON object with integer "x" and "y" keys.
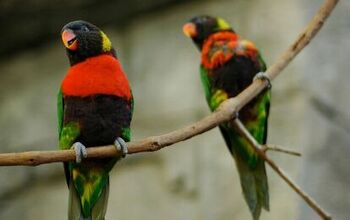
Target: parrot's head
{"x": 83, "y": 40}
{"x": 200, "y": 28}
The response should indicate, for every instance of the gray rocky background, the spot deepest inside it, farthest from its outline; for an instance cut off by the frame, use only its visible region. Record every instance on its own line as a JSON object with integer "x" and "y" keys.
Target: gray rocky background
{"x": 195, "y": 179}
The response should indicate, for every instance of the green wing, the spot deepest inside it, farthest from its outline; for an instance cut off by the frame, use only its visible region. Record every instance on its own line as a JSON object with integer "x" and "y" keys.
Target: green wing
{"x": 206, "y": 84}
{"x": 59, "y": 112}
{"x": 69, "y": 132}
{"x": 261, "y": 62}
{"x": 258, "y": 126}
{"x": 254, "y": 116}
{"x": 262, "y": 110}
{"x": 90, "y": 179}
{"x": 126, "y": 132}
{"x": 214, "y": 96}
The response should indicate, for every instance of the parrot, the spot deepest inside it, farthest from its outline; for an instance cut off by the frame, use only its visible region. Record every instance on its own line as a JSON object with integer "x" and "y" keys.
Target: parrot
{"x": 94, "y": 106}
{"x": 228, "y": 65}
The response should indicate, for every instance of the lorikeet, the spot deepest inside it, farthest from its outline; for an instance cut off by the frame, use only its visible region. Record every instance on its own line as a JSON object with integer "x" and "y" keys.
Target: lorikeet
{"x": 95, "y": 107}
{"x": 228, "y": 65}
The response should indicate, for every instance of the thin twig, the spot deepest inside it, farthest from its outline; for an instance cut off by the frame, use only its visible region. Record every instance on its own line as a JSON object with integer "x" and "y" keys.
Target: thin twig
{"x": 260, "y": 150}
{"x": 224, "y": 113}
{"x": 273, "y": 147}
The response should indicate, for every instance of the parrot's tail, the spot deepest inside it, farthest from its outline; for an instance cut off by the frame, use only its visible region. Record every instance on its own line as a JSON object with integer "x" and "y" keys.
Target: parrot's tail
{"x": 254, "y": 185}
{"x": 98, "y": 211}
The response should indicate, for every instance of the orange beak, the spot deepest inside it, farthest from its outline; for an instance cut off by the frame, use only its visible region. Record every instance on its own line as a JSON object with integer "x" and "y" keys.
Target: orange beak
{"x": 189, "y": 30}
{"x": 69, "y": 39}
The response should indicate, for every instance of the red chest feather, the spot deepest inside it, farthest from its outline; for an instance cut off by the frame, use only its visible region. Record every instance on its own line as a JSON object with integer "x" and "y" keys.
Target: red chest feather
{"x": 97, "y": 75}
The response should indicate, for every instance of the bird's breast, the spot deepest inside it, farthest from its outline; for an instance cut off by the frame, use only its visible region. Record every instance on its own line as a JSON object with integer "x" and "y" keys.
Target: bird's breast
{"x": 102, "y": 74}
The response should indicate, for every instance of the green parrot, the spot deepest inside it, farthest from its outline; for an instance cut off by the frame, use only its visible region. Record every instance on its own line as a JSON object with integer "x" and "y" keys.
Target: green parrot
{"x": 228, "y": 65}
{"x": 95, "y": 106}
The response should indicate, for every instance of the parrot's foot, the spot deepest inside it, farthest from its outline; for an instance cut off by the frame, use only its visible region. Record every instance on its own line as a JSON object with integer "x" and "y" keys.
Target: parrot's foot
{"x": 80, "y": 151}
{"x": 263, "y": 76}
{"x": 121, "y": 145}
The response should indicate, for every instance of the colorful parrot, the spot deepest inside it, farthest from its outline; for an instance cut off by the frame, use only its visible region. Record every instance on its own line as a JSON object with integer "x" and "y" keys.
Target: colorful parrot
{"x": 95, "y": 106}
{"x": 228, "y": 65}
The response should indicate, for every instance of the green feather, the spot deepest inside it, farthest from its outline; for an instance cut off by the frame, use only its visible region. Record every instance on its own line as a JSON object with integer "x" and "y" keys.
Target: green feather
{"x": 250, "y": 167}
{"x": 88, "y": 184}
{"x": 68, "y": 134}
{"x": 59, "y": 112}
{"x": 206, "y": 85}
{"x": 89, "y": 181}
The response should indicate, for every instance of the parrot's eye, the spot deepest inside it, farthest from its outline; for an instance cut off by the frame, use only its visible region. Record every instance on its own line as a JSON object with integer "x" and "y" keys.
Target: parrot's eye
{"x": 86, "y": 29}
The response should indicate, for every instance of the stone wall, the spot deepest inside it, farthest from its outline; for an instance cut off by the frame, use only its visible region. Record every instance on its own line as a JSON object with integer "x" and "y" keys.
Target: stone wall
{"x": 196, "y": 179}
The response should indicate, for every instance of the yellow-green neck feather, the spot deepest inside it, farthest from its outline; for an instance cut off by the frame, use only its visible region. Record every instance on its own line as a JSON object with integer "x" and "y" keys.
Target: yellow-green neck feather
{"x": 106, "y": 43}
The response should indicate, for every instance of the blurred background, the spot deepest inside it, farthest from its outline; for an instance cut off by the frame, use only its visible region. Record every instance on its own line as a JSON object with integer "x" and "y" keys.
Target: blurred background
{"x": 196, "y": 179}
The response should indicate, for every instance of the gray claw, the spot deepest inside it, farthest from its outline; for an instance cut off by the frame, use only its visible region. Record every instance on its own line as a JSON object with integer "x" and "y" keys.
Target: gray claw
{"x": 263, "y": 76}
{"x": 121, "y": 145}
{"x": 80, "y": 151}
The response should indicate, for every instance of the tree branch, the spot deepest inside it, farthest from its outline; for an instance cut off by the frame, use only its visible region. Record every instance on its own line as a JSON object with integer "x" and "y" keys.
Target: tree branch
{"x": 261, "y": 151}
{"x": 224, "y": 113}
{"x": 273, "y": 147}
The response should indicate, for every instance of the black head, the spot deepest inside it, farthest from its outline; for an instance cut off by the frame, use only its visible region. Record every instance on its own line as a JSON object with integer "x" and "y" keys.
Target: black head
{"x": 83, "y": 40}
{"x": 200, "y": 28}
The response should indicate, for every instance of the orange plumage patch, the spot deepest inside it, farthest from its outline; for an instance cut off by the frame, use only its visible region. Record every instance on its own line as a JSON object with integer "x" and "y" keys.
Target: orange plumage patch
{"x": 220, "y": 57}
{"x": 215, "y": 40}
{"x": 97, "y": 75}
{"x": 222, "y": 46}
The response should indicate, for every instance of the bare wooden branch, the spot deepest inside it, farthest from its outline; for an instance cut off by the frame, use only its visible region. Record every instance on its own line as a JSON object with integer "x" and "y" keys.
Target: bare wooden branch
{"x": 273, "y": 147}
{"x": 303, "y": 39}
{"x": 261, "y": 151}
{"x": 34, "y": 158}
{"x": 224, "y": 113}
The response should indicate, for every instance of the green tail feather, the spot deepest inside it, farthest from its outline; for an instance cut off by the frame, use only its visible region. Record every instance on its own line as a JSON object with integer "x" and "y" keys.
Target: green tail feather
{"x": 98, "y": 211}
{"x": 100, "y": 208}
{"x": 254, "y": 185}
{"x": 252, "y": 173}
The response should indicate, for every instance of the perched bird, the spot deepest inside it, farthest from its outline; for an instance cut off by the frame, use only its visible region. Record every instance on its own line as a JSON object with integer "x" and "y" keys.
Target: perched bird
{"x": 95, "y": 107}
{"x": 228, "y": 65}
